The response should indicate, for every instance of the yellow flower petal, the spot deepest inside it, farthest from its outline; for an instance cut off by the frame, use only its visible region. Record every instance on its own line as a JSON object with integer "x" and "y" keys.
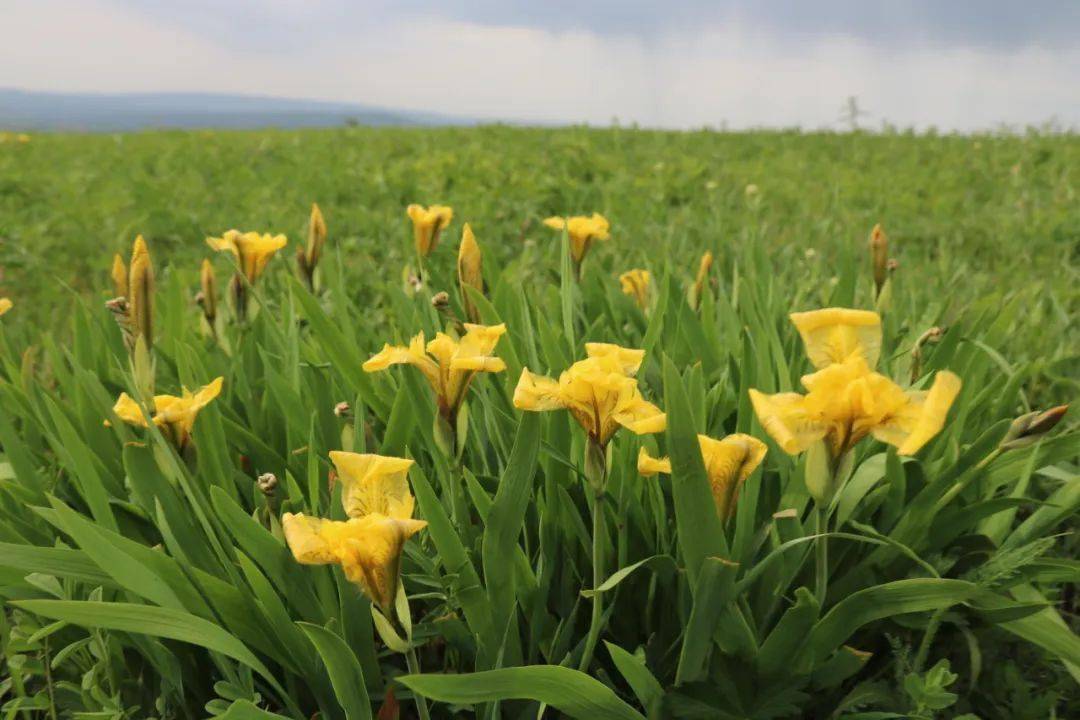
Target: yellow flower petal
{"x": 374, "y": 484}
{"x": 635, "y": 283}
{"x": 647, "y": 465}
{"x": 787, "y": 420}
{"x": 629, "y": 359}
{"x": 129, "y": 411}
{"x": 922, "y": 417}
{"x": 536, "y": 393}
{"x": 638, "y": 415}
{"x": 728, "y": 463}
{"x": 313, "y": 541}
{"x": 833, "y": 335}
{"x": 367, "y": 548}
{"x": 6, "y": 304}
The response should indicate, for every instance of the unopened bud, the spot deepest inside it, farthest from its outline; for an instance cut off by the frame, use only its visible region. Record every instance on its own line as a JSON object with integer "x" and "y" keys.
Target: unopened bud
{"x": 469, "y": 272}
{"x": 207, "y": 297}
{"x": 879, "y": 256}
{"x": 440, "y": 300}
{"x": 141, "y": 293}
{"x": 1030, "y": 427}
{"x": 119, "y": 276}
{"x": 267, "y": 483}
{"x": 702, "y": 279}
{"x": 316, "y": 238}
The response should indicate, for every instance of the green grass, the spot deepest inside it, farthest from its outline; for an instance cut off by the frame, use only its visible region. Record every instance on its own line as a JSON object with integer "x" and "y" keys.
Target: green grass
{"x": 142, "y": 582}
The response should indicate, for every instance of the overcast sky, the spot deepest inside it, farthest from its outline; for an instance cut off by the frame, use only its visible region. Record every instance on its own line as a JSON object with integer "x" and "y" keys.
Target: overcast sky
{"x": 956, "y": 64}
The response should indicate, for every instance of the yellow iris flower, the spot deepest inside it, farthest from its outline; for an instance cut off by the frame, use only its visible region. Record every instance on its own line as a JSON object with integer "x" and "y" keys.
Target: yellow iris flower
{"x": 428, "y": 223}
{"x": 635, "y": 283}
{"x": 252, "y": 250}
{"x": 728, "y": 462}
{"x": 846, "y": 400}
{"x": 449, "y": 365}
{"x": 368, "y": 548}
{"x": 583, "y": 232}
{"x": 174, "y": 415}
{"x": 5, "y": 305}
{"x": 600, "y": 392}
{"x": 368, "y": 545}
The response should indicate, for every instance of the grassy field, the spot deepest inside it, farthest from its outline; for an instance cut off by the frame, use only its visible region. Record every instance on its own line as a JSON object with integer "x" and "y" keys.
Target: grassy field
{"x": 160, "y": 571}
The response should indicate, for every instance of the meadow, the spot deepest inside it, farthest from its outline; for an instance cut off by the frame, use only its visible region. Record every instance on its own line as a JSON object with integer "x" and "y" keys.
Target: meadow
{"x": 339, "y": 521}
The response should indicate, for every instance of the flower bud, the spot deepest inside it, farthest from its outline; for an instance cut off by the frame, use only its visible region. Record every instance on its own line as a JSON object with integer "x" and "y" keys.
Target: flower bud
{"x": 343, "y": 410}
{"x": 119, "y": 276}
{"x": 1031, "y": 427}
{"x": 469, "y": 272}
{"x": 141, "y": 293}
{"x": 879, "y": 257}
{"x": 701, "y": 280}
{"x": 267, "y": 484}
{"x": 440, "y": 300}
{"x": 208, "y": 295}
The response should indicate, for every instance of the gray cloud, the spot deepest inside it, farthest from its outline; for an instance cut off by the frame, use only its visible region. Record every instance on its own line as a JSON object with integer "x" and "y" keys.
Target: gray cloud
{"x": 994, "y": 24}
{"x": 671, "y": 69}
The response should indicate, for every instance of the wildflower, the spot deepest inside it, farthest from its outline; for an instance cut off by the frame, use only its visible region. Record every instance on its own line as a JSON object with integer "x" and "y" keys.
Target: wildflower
{"x": 5, "y": 305}
{"x": 367, "y": 548}
{"x": 846, "y": 399}
{"x": 701, "y": 280}
{"x": 374, "y": 484}
{"x": 879, "y": 257}
{"x": 428, "y": 223}
{"x": 469, "y": 271}
{"x": 368, "y": 545}
{"x": 141, "y": 293}
{"x": 307, "y": 258}
{"x": 174, "y": 415}
{"x": 600, "y": 392}
{"x": 119, "y": 274}
{"x": 728, "y": 462}
{"x": 583, "y": 232}
{"x": 252, "y": 250}
{"x": 449, "y": 365}
{"x": 635, "y": 283}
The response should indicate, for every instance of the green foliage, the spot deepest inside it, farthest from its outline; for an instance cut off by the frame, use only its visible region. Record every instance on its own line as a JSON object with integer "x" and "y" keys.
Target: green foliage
{"x": 140, "y": 581}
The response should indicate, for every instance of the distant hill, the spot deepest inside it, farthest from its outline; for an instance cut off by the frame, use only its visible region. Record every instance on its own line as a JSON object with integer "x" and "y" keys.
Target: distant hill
{"x": 28, "y": 110}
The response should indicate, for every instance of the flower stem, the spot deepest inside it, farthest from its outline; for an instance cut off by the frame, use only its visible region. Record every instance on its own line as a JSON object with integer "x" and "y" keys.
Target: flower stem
{"x": 821, "y": 552}
{"x": 598, "y": 578}
{"x": 414, "y": 669}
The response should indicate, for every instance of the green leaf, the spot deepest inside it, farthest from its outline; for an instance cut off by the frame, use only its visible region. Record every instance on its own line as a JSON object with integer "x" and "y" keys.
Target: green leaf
{"x": 343, "y": 669}
{"x": 882, "y": 601}
{"x": 245, "y": 710}
{"x": 148, "y": 620}
{"x": 646, "y": 687}
{"x": 504, "y": 520}
{"x": 701, "y": 534}
{"x": 569, "y": 691}
{"x": 663, "y": 565}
